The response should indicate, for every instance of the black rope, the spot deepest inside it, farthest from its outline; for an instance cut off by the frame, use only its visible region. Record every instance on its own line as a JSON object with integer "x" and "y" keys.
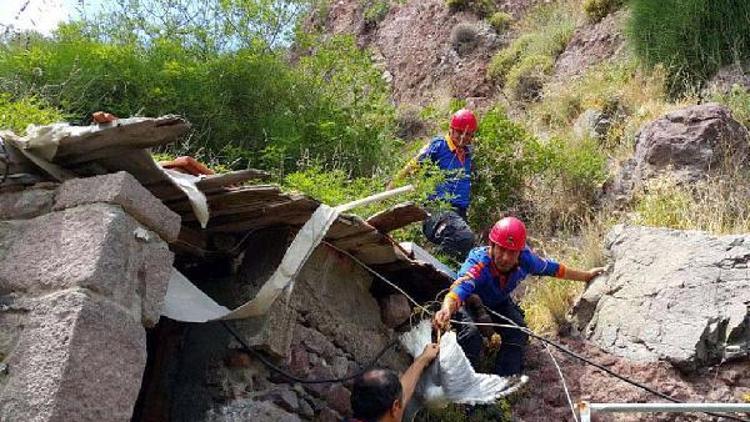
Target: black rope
{"x": 270, "y": 365}
{"x": 532, "y": 334}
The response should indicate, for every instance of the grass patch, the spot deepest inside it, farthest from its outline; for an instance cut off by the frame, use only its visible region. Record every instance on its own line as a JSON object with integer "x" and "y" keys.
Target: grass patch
{"x": 481, "y": 8}
{"x": 528, "y": 59}
{"x": 596, "y": 10}
{"x": 500, "y": 21}
{"x": 719, "y": 205}
{"x": 375, "y": 11}
{"x": 691, "y": 38}
{"x": 17, "y": 114}
{"x": 737, "y": 100}
{"x": 546, "y": 303}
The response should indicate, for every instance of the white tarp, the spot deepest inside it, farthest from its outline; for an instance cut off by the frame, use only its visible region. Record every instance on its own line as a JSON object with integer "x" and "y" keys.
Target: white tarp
{"x": 451, "y": 377}
{"x": 192, "y": 305}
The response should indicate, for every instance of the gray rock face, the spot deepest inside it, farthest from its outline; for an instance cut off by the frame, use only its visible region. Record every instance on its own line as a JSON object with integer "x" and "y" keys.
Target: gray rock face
{"x": 98, "y": 247}
{"x": 691, "y": 142}
{"x": 394, "y": 309}
{"x": 80, "y": 357}
{"x": 687, "y": 144}
{"x": 121, "y": 189}
{"x": 592, "y": 124}
{"x": 727, "y": 79}
{"x": 250, "y": 410}
{"x": 28, "y": 203}
{"x": 681, "y": 296}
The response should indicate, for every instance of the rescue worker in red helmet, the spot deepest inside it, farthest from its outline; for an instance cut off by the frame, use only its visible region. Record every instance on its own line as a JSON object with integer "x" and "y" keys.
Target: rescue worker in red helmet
{"x": 493, "y": 272}
{"x": 452, "y": 154}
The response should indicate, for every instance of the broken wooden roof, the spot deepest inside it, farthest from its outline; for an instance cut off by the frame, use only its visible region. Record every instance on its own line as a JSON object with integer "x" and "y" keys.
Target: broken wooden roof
{"x": 236, "y": 208}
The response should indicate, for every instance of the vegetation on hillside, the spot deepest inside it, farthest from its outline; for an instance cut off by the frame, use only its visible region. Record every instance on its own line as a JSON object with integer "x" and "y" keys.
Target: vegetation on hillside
{"x": 313, "y": 108}
{"x": 691, "y": 38}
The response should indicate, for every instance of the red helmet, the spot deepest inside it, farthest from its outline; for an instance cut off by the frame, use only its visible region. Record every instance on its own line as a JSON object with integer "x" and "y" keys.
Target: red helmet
{"x": 464, "y": 120}
{"x": 509, "y": 233}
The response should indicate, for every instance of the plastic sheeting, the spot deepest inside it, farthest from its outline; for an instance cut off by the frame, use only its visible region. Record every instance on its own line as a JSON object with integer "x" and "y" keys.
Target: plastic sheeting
{"x": 187, "y": 184}
{"x": 188, "y": 303}
{"x": 185, "y": 302}
{"x": 451, "y": 378}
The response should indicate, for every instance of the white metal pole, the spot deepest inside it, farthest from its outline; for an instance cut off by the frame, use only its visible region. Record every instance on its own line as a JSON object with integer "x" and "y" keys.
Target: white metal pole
{"x": 374, "y": 198}
{"x": 585, "y": 411}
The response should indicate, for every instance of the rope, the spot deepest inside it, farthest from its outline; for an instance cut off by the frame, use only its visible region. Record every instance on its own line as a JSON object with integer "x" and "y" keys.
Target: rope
{"x": 530, "y": 333}
{"x": 270, "y": 365}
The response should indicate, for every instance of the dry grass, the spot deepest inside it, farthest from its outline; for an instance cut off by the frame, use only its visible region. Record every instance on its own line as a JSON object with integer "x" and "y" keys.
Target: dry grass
{"x": 548, "y": 300}
{"x": 719, "y": 205}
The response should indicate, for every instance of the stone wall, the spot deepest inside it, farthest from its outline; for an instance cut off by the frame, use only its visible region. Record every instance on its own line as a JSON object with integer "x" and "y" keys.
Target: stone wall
{"x": 84, "y": 268}
{"x": 329, "y": 327}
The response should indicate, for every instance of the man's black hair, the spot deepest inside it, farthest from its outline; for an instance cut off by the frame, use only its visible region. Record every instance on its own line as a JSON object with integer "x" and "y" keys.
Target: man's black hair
{"x": 373, "y": 394}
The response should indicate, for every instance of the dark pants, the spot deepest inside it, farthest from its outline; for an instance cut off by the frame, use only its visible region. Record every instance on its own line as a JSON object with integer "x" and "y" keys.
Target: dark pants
{"x": 450, "y": 232}
{"x": 509, "y": 359}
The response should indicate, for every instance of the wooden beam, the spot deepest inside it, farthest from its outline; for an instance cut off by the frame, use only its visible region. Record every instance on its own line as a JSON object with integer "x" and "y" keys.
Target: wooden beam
{"x": 113, "y": 139}
{"x": 396, "y": 217}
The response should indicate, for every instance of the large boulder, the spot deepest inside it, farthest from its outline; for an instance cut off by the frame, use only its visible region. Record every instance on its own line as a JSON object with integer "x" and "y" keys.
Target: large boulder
{"x": 687, "y": 145}
{"x": 680, "y": 296}
{"x": 691, "y": 141}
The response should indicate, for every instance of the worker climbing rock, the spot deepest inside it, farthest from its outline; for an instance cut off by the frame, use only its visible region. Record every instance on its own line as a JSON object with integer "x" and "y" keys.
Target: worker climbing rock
{"x": 452, "y": 154}
{"x": 492, "y": 273}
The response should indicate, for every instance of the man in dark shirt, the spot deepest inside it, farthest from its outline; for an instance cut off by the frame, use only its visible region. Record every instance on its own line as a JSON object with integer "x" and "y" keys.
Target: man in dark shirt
{"x": 379, "y": 395}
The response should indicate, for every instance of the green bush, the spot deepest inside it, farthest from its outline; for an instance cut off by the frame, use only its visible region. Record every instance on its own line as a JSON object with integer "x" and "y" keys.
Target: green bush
{"x": 375, "y": 11}
{"x": 464, "y": 37}
{"x": 248, "y": 107}
{"x": 528, "y": 59}
{"x": 596, "y": 10}
{"x": 525, "y": 79}
{"x": 504, "y": 60}
{"x": 501, "y": 161}
{"x": 737, "y": 100}
{"x": 16, "y": 115}
{"x": 500, "y": 21}
{"x": 691, "y": 38}
{"x": 480, "y": 7}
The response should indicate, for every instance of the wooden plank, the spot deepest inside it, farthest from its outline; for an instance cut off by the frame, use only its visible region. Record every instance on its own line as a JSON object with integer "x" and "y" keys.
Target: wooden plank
{"x": 396, "y": 217}
{"x": 291, "y": 213}
{"x": 140, "y": 164}
{"x": 237, "y": 202}
{"x": 344, "y": 227}
{"x": 112, "y": 139}
{"x": 234, "y": 178}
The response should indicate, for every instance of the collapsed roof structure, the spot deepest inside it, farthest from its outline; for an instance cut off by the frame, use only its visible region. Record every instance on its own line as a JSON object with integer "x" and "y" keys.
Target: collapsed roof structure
{"x": 228, "y": 253}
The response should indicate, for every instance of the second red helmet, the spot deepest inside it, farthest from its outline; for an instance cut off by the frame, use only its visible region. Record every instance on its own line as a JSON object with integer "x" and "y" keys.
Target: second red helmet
{"x": 509, "y": 233}
{"x": 464, "y": 120}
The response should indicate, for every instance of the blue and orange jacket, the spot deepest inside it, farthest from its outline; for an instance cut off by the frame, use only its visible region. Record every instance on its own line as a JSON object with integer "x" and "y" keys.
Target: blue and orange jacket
{"x": 493, "y": 287}
{"x": 457, "y": 185}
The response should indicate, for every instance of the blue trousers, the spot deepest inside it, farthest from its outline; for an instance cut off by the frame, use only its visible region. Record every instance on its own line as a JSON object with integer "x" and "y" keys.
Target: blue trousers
{"x": 509, "y": 359}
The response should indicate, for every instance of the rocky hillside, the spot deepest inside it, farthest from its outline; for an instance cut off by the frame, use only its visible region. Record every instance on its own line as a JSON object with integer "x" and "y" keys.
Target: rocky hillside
{"x": 567, "y": 72}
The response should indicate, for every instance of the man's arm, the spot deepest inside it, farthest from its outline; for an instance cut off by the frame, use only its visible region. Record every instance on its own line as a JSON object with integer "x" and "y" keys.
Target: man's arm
{"x": 582, "y": 275}
{"x": 408, "y": 170}
{"x": 461, "y": 288}
{"x": 551, "y": 268}
{"x": 411, "y": 376}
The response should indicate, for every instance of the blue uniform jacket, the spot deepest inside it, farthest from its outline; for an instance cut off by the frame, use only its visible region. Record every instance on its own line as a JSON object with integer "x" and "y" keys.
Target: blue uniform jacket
{"x": 457, "y": 185}
{"x": 494, "y": 287}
